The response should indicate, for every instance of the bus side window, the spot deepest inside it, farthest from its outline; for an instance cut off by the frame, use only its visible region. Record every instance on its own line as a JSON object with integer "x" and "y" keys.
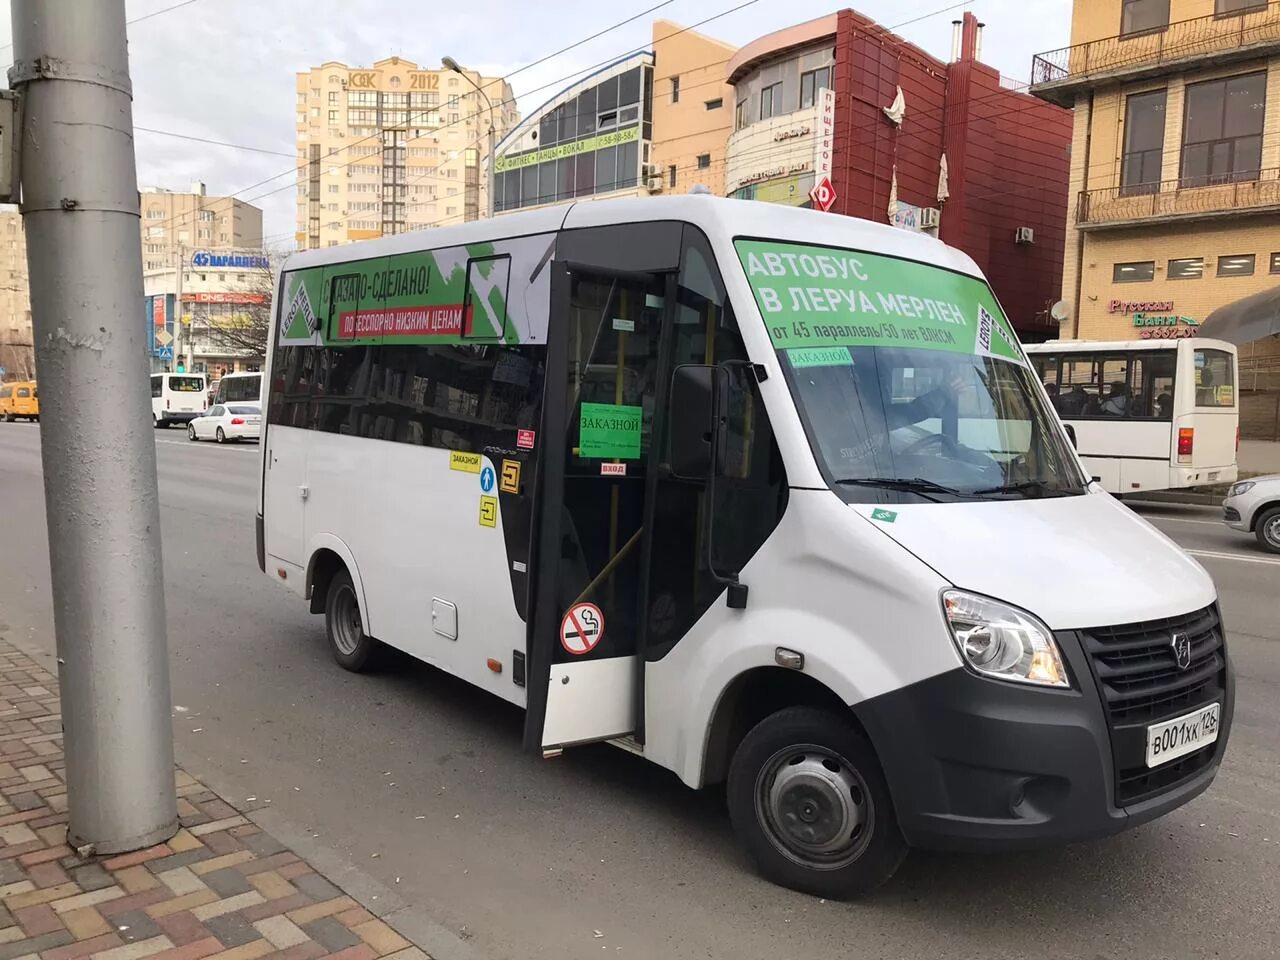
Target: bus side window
{"x": 1151, "y": 376}
{"x": 157, "y": 387}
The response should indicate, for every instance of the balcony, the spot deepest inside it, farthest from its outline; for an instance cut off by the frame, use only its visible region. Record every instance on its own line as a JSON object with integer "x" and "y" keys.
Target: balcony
{"x": 1058, "y": 75}
{"x": 1174, "y": 200}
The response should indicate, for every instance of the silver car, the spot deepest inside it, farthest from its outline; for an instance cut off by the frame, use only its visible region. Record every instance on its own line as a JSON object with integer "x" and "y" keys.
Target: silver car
{"x": 1254, "y": 507}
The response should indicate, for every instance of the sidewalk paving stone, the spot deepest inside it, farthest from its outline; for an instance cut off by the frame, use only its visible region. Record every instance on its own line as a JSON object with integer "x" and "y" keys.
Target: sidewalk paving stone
{"x": 221, "y": 888}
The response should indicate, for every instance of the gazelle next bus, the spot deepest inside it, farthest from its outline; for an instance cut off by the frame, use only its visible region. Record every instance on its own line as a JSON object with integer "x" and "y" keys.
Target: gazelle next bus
{"x": 1146, "y": 414}
{"x": 766, "y": 496}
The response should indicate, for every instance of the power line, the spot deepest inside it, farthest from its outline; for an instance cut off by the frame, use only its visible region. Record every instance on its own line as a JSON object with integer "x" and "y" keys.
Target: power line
{"x": 216, "y": 143}
{"x": 129, "y": 23}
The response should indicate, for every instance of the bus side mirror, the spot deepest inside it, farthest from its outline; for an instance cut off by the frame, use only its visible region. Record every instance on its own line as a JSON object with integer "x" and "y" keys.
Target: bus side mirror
{"x": 1071, "y": 435}
{"x": 692, "y": 413}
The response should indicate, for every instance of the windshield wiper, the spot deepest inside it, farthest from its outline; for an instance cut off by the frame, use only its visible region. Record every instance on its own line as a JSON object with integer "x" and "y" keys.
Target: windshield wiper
{"x": 917, "y": 485}
{"x": 1025, "y": 486}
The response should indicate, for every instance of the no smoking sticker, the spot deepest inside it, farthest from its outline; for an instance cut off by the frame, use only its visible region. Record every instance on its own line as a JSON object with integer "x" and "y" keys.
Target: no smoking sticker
{"x": 582, "y": 628}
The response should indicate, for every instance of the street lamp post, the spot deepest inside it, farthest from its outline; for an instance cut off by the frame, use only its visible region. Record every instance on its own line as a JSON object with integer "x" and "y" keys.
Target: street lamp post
{"x": 452, "y": 64}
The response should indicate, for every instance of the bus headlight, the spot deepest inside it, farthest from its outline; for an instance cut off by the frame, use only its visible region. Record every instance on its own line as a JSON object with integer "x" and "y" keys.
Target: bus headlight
{"x": 1001, "y": 641}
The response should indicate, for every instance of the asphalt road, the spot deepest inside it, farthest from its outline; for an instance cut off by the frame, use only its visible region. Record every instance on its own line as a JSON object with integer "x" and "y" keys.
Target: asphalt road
{"x": 527, "y": 858}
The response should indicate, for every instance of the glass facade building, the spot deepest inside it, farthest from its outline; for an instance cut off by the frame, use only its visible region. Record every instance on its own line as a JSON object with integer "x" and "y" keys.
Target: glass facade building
{"x": 590, "y": 140}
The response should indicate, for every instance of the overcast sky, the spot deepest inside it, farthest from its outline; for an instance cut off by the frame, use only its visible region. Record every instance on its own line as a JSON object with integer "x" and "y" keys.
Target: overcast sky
{"x": 224, "y": 69}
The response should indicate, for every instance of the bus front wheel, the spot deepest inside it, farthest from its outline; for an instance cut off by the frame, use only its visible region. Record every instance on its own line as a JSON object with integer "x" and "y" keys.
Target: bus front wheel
{"x": 352, "y": 648}
{"x": 811, "y": 807}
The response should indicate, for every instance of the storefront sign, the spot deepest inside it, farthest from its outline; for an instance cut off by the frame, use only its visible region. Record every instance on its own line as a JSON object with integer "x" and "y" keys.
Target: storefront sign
{"x": 795, "y": 133}
{"x": 1139, "y": 306}
{"x": 205, "y": 259}
{"x": 825, "y": 141}
{"x": 906, "y": 216}
{"x": 598, "y": 142}
{"x": 242, "y": 298}
{"x": 1152, "y": 327}
{"x": 772, "y": 172}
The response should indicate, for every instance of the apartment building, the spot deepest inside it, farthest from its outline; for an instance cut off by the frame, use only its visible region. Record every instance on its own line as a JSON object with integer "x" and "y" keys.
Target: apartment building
{"x": 176, "y": 224}
{"x": 1175, "y": 168}
{"x": 16, "y": 355}
{"x": 393, "y": 147}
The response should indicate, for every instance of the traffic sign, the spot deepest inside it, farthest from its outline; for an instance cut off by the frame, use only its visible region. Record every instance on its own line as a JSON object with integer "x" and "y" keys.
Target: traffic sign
{"x": 582, "y": 628}
{"x": 823, "y": 194}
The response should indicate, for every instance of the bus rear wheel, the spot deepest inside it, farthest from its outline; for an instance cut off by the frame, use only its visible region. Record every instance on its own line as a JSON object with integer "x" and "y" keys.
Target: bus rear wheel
{"x": 352, "y": 648}
{"x": 811, "y": 807}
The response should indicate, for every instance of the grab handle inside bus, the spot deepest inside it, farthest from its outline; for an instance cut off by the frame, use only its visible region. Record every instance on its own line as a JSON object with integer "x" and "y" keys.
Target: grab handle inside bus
{"x": 1071, "y": 435}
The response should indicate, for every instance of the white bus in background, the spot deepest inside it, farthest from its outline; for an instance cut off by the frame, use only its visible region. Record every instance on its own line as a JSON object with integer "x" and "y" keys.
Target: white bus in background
{"x": 763, "y": 495}
{"x": 239, "y": 388}
{"x": 1146, "y": 414}
{"x": 177, "y": 398}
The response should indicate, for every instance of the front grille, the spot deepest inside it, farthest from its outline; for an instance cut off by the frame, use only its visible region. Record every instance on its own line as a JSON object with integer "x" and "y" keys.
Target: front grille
{"x": 1141, "y": 683}
{"x": 1230, "y": 513}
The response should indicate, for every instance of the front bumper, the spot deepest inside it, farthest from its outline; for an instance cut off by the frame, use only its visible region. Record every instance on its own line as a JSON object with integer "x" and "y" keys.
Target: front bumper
{"x": 1233, "y": 516}
{"x": 979, "y": 764}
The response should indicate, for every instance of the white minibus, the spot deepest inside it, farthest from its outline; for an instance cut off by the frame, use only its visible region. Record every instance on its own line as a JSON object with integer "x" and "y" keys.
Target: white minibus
{"x": 239, "y": 388}
{"x": 177, "y": 398}
{"x": 769, "y": 497}
{"x": 1146, "y": 414}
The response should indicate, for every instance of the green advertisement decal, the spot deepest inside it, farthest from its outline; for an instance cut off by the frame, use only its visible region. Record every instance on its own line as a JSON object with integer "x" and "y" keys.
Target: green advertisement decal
{"x": 609, "y": 431}
{"x": 449, "y": 295}
{"x": 816, "y": 298}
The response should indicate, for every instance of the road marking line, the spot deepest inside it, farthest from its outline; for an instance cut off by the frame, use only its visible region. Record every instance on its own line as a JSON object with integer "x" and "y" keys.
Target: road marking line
{"x": 1155, "y": 517}
{"x": 1231, "y": 556}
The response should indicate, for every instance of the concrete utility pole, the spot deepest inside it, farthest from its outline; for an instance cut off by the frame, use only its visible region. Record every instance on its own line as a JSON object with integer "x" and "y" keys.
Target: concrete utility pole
{"x": 81, "y": 212}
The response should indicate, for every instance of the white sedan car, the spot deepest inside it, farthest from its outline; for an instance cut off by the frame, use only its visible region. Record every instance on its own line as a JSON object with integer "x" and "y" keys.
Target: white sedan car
{"x": 226, "y": 422}
{"x": 1253, "y": 506}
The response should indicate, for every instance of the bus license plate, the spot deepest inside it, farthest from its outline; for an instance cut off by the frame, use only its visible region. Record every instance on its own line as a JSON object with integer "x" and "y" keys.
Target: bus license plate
{"x": 1182, "y": 735}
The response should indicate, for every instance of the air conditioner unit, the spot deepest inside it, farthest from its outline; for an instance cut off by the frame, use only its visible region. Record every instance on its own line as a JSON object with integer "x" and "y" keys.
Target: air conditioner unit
{"x": 930, "y": 217}
{"x": 653, "y": 184}
{"x": 651, "y": 170}
{"x": 1024, "y": 235}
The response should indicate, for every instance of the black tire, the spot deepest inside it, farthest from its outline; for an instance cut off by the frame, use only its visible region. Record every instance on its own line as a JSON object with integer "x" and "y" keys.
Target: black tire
{"x": 834, "y": 779}
{"x": 191, "y": 432}
{"x": 352, "y": 648}
{"x": 157, "y": 422}
{"x": 9, "y": 418}
{"x": 220, "y": 436}
{"x": 1267, "y": 529}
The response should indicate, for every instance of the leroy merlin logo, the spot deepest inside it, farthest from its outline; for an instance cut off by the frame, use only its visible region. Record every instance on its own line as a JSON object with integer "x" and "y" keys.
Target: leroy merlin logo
{"x": 299, "y": 321}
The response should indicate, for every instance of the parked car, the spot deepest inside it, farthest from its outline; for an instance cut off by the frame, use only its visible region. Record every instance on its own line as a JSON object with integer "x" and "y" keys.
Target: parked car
{"x": 1253, "y": 506}
{"x": 227, "y": 421}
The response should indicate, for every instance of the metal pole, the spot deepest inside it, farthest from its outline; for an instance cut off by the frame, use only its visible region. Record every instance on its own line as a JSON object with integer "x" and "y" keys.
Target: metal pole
{"x": 179, "y": 338}
{"x": 84, "y": 257}
{"x": 492, "y": 145}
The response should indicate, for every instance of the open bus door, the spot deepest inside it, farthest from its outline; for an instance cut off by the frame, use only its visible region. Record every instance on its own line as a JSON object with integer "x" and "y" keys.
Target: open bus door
{"x": 608, "y": 347}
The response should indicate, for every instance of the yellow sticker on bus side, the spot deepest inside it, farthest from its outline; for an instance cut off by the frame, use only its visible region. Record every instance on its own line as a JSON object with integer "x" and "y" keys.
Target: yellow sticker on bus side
{"x": 466, "y": 462}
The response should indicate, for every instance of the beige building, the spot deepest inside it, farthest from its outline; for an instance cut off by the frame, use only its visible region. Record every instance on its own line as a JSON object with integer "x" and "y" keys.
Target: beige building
{"x": 392, "y": 148}
{"x": 692, "y": 107}
{"x": 16, "y": 355}
{"x": 176, "y": 225}
{"x": 1175, "y": 173}
{"x": 1175, "y": 165}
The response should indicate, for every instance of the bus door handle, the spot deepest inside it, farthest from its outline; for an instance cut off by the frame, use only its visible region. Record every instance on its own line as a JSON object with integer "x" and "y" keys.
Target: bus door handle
{"x": 304, "y": 491}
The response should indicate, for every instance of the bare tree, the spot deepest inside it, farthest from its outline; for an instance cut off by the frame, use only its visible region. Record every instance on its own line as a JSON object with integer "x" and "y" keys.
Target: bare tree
{"x": 18, "y": 360}
{"x": 242, "y": 333}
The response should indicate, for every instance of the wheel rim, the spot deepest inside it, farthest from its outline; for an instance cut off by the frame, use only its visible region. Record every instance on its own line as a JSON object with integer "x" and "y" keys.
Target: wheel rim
{"x": 1271, "y": 531}
{"x": 348, "y": 630}
{"x": 221, "y": 436}
{"x": 191, "y": 433}
{"x": 814, "y": 807}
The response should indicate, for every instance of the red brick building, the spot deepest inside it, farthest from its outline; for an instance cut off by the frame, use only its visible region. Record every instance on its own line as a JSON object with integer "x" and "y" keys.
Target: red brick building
{"x": 1007, "y": 153}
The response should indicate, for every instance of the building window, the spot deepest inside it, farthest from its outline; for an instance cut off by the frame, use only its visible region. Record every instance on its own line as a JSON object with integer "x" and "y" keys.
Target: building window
{"x": 1240, "y": 265}
{"x": 810, "y": 83}
{"x": 715, "y": 104}
{"x": 395, "y": 82}
{"x": 1275, "y": 263}
{"x": 1225, "y": 8}
{"x": 770, "y": 101}
{"x": 671, "y": 182}
{"x": 1143, "y": 16}
{"x": 1139, "y": 272}
{"x": 1222, "y": 130}
{"x": 1143, "y": 143}
{"x": 740, "y": 115}
{"x": 1190, "y": 268}
{"x": 704, "y": 161}
{"x": 675, "y": 89}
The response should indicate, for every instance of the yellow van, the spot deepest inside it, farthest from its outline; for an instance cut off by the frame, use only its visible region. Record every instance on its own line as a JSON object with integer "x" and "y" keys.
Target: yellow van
{"x": 20, "y": 399}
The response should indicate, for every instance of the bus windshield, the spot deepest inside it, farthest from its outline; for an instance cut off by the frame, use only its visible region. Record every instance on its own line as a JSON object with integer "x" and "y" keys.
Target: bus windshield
{"x": 909, "y": 379}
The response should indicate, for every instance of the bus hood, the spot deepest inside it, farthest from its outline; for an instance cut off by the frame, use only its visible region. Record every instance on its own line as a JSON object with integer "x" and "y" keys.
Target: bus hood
{"x": 1074, "y": 562}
